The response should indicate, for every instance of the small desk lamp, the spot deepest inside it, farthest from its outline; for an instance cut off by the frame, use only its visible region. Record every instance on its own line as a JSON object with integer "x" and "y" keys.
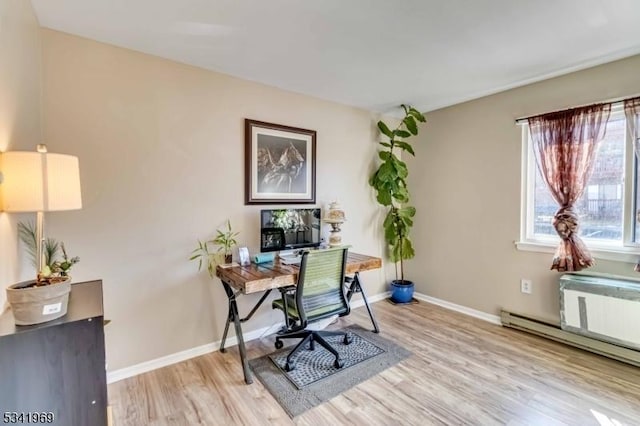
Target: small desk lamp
{"x": 335, "y": 217}
{"x": 39, "y": 182}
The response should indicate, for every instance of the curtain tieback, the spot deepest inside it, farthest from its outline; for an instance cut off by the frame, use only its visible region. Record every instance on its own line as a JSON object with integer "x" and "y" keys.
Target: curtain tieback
{"x": 565, "y": 222}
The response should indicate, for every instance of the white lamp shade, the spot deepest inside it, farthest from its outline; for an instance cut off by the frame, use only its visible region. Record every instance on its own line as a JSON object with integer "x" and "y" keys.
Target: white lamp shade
{"x": 335, "y": 214}
{"x": 34, "y": 181}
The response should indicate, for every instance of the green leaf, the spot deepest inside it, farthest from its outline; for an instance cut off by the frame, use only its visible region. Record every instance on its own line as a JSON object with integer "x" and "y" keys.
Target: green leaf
{"x": 384, "y": 155}
{"x": 390, "y": 218}
{"x": 401, "y": 169}
{"x": 402, "y": 133}
{"x": 51, "y": 248}
{"x": 410, "y": 122}
{"x": 393, "y": 185}
{"x": 390, "y": 234}
{"x": 407, "y": 249}
{"x": 377, "y": 183}
{"x": 406, "y": 147}
{"x": 389, "y": 225}
{"x": 387, "y": 172}
{"x": 391, "y": 160}
{"x": 407, "y": 223}
{"x": 417, "y": 115}
{"x": 385, "y": 130}
{"x": 27, "y": 234}
{"x": 407, "y": 211}
{"x": 384, "y": 198}
{"x": 385, "y": 144}
{"x": 402, "y": 195}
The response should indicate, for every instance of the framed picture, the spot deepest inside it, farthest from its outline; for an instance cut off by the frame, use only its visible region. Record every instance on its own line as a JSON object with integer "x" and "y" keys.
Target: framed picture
{"x": 280, "y": 164}
{"x": 243, "y": 254}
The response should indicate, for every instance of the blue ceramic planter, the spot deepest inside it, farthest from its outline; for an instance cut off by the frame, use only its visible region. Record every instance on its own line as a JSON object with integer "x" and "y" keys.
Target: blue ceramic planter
{"x": 402, "y": 291}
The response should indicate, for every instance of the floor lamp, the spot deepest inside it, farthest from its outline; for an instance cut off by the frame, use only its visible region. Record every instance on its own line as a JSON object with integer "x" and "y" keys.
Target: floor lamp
{"x": 39, "y": 182}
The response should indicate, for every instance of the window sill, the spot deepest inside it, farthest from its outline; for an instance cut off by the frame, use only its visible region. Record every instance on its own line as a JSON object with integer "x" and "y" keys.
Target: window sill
{"x": 619, "y": 254}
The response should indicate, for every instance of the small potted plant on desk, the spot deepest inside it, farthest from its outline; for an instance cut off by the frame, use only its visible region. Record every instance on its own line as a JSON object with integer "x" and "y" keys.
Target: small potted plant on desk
{"x": 225, "y": 240}
{"x": 45, "y": 298}
{"x": 390, "y": 184}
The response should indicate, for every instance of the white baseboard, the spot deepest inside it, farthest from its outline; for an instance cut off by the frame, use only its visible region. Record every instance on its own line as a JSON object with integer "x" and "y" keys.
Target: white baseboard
{"x": 358, "y": 302}
{"x": 494, "y": 319}
{"x": 174, "y": 358}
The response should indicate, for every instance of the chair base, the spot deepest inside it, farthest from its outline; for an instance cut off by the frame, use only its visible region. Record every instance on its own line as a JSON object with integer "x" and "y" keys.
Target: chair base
{"x": 310, "y": 337}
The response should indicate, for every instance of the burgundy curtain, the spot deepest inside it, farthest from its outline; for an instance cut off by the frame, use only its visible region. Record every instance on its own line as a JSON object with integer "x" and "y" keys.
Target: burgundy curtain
{"x": 632, "y": 114}
{"x": 565, "y": 145}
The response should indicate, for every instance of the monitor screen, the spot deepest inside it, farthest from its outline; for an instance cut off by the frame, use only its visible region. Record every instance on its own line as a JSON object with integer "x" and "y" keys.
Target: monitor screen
{"x": 289, "y": 229}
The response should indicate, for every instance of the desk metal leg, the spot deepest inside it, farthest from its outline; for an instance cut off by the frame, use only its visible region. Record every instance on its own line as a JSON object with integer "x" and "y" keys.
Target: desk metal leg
{"x": 233, "y": 316}
{"x": 243, "y": 352}
{"x": 226, "y": 327}
{"x": 355, "y": 287}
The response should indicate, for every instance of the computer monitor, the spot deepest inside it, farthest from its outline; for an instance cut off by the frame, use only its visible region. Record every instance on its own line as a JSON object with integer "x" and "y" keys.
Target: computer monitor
{"x": 289, "y": 229}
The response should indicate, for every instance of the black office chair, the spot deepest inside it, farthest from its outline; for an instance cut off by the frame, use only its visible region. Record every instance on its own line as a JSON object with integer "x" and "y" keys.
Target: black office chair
{"x": 319, "y": 294}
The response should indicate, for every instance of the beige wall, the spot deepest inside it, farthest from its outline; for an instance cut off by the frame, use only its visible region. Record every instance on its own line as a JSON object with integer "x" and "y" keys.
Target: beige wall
{"x": 161, "y": 149}
{"x": 20, "y": 113}
{"x": 465, "y": 182}
{"x": 161, "y": 152}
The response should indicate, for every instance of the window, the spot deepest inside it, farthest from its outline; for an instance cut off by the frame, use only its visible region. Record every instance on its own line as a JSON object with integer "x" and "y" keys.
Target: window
{"x": 606, "y": 208}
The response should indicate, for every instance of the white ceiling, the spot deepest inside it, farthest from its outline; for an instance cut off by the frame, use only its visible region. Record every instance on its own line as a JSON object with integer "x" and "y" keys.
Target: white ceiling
{"x": 374, "y": 54}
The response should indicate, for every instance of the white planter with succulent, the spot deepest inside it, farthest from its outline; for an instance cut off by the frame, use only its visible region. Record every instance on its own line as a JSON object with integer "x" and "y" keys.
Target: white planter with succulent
{"x": 45, "y": 298}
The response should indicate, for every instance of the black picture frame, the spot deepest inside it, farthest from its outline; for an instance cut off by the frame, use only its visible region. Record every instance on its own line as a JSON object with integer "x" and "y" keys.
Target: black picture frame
{"x": 280, "y": 164}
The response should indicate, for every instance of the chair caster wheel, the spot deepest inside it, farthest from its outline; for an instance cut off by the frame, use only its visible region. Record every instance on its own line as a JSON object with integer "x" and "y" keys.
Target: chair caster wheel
{"x": 347, "y": 339}
{"x": 279, "y": 344}
{"x": 289, "y": 367}
{"x": 338, "y": 363}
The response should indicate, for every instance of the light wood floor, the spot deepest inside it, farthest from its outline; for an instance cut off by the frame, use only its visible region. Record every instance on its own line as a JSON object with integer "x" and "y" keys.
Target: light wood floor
{"x": 462, "y": 371}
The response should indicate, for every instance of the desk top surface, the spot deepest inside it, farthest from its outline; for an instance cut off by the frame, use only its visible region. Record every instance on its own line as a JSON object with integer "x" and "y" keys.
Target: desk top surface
{"x": 255, "y": 278}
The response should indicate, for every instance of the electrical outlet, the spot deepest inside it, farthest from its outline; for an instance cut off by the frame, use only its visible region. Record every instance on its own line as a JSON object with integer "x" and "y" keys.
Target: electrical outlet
{"x": 526, "y": 286}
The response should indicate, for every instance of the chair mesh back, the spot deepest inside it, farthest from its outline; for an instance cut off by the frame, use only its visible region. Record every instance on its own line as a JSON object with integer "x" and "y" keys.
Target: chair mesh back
{"x": 320, "y": 291}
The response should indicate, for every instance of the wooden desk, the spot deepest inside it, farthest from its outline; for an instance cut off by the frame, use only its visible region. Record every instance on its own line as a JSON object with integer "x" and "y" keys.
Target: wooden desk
{"x": 265, "y": 277}
{"x": 256, "y": 278}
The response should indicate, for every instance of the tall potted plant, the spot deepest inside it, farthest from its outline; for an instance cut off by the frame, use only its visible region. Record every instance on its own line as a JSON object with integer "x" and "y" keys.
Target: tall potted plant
{"x": 390, "y": 184}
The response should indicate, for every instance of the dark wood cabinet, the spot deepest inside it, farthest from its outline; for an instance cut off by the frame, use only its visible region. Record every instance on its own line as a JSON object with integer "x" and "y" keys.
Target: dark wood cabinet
{"x": 57, "y": 367}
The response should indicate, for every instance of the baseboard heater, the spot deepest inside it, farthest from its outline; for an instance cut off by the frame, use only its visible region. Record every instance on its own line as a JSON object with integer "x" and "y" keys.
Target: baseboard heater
{"x": 554, "y": 332}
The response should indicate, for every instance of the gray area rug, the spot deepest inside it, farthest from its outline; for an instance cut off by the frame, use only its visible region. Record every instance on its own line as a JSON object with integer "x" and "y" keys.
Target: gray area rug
{"x": 311, "y": 366}
{"x": 366, "y": 356}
